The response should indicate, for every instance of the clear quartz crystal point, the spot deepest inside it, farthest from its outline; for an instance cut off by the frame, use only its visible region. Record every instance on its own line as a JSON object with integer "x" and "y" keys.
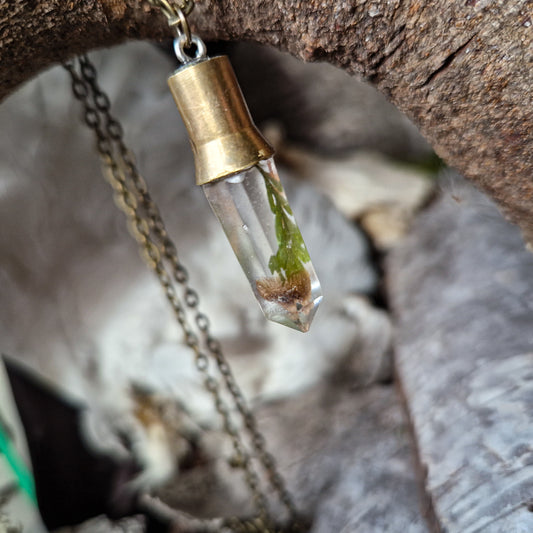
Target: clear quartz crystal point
{"x": 258, "y": 221}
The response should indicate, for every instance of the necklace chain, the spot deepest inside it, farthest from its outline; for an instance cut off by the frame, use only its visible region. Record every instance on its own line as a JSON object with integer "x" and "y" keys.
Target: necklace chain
{"x": 170, "y": 7}
{"x": 160, "y": 253}
{"x": 176, "y": 12}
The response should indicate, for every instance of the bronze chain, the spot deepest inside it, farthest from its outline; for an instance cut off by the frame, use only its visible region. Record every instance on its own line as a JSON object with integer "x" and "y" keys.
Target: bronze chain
{"x": 170, "y": 7}
{"x": 146, "y": 225}
{"x": 176, "y": 12}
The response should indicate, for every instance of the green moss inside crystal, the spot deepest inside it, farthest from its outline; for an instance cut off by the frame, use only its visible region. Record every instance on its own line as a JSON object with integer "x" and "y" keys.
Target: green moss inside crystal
{"x": 292, "y": 254}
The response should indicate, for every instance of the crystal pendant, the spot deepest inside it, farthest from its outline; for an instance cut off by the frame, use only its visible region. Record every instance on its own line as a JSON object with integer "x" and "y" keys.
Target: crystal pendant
{"x": 260, "y": 226}
{"x": 235, "y": 168}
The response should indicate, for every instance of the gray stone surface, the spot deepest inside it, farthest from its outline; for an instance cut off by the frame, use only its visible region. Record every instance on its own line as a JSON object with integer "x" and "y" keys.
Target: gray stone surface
{"x": 462, "y": 291}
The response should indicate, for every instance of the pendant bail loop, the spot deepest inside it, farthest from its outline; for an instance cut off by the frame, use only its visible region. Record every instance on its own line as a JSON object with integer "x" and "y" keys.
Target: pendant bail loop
{"x": 180, "y": 45}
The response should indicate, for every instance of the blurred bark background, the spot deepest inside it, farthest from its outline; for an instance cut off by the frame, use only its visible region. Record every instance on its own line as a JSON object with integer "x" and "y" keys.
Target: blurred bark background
{"x": 462, "y": 70}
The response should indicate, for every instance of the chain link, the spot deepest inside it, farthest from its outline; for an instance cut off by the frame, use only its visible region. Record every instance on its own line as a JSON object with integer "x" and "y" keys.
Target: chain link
{"x": 159, "y": 251}
{"x": 169, "y": 7}
{"x": 176, "y": 12}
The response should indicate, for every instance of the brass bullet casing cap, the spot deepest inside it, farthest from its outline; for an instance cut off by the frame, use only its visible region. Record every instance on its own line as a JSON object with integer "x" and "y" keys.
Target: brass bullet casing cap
{"x": 223, "y": 136}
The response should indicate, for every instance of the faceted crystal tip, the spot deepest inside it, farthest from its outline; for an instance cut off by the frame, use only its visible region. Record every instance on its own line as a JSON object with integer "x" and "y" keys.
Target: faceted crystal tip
{"x": 292, "y": 302}
{"x": 302, "y": 322}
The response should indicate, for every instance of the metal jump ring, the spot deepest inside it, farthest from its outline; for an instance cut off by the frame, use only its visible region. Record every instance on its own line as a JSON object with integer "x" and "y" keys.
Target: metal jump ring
{"x": 180, "y": 43}
{"x": 165, "y": 7}
{"x": 181, "y": 25}
{"x": 169, "y": 7}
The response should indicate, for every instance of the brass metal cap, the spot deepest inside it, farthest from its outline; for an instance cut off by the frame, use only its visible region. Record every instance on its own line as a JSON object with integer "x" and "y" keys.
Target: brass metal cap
{"x": 223, "y": 136}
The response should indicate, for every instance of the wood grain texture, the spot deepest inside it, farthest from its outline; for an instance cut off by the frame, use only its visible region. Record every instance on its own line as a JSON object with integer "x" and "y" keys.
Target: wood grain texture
{"x": 464, "y": 356}
{"x": 462, "y": 70}
{"x": 348, "y": 459}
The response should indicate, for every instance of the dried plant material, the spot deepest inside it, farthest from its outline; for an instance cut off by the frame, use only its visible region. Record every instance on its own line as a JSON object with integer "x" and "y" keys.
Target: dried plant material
{"x": 294, "y": 289}
{"x": 293, "y": 294}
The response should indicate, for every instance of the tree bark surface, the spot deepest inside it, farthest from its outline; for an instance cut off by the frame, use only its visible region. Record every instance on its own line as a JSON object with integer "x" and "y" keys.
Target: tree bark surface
{"x": 462, "y": 70}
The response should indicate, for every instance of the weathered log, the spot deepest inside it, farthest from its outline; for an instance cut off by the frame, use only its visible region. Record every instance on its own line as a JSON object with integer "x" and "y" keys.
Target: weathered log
{"x": 461, "y": 288}
{"x": 348, "y": 458}
{"x": 461, "y": 70}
